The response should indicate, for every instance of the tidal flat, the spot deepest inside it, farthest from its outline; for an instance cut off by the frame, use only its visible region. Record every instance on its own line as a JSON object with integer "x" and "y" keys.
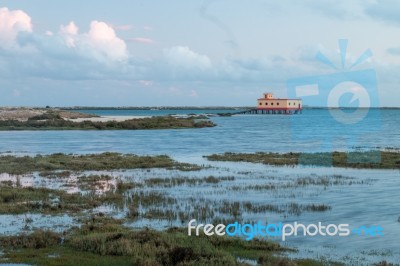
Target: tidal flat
{"x": 55, "y": 122}
{"x": 103, "y": 161}
{"x": 119, "y": 196}
{"x": 106, "y": 241}
{"x": 373, "y": 159}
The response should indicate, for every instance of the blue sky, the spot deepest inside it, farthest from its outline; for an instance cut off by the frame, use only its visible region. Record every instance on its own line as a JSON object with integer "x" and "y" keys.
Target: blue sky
{"x": 187, "y": 53}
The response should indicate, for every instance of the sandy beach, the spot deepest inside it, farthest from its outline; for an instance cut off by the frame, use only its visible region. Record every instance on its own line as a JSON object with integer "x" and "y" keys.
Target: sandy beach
{"x": 25, "y": 113}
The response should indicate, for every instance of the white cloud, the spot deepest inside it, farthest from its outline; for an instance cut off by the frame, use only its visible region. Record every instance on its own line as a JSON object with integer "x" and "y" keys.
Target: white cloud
{"x": 104, "y": 41}
{"x": 99, "y": 54}
{"x": 142, "y": 40}
{"x": 146, "y": 83}
{"x": 183, "y": 57}
{"x": 68, "y": 54}
{"x": 12, "y": 22}
{"x": 123, "y": 27}
{"x": 70, "y": 29}
{"x": 68, "y": 32}
{"x": 99, "y": 42}
{"x": 181, "y": 63}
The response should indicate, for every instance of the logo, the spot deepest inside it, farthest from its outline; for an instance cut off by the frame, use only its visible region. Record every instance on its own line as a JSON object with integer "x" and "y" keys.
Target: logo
{"x": 281, "y": 230}
{"x": 349, "y": 102}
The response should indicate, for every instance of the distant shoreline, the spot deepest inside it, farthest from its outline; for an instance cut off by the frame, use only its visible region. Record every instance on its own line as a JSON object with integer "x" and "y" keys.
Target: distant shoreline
{"x": 56, "y": 119}
{"x": 77, "y": 108}
{"x": 157, "y": 108}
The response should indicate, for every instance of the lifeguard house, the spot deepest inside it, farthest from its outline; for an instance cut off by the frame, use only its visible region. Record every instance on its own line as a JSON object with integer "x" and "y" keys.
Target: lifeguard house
{"x": 270, "y": 105}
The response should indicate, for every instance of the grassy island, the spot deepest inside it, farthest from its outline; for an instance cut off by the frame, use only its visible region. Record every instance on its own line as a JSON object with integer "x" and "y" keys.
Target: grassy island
{"x": 356, "y": 159}
{"x": 56, "y": 119}
{"x": 106, "y": 241}
{"x": 131, "y": 124}
{"x": 103, "y": 161}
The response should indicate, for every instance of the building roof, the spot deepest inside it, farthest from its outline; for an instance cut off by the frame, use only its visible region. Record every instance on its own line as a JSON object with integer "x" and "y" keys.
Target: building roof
{"x": 274, "y": 99}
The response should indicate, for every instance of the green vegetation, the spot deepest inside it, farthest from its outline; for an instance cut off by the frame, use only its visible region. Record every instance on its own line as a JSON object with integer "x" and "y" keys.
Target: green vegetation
{"x": 356, "y": 159}
{"x": 53, "y": 121}
{"x": 104, "y": 161}
{"x": 236, "y": 208}
{"x": 16, "y": 200}
{"x": 225, "y": 114}
{"x": 105, "y": 241}
{"x": 179, "y": 181}
{"x": 324, "y": 181}
{"x": 50, "y": 115}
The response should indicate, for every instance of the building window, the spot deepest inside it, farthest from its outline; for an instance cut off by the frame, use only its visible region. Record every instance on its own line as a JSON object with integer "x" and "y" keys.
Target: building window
{"x": 260, "y": 103}
{"x": 289, "y": 103}
{"x": 266, "y": 103}
{"x": 272, "y": 103}
{"x": 277, "y": 103}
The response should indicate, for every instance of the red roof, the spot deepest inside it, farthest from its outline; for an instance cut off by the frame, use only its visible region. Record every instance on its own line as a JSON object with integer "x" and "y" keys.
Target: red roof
{"x": 274, "y": 99}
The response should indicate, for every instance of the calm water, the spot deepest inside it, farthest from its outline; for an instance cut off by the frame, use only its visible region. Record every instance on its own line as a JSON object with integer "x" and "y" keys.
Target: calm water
{"x": 372, "y": 203}
{"x": 314, "y": 130}
{"x": 154, "y": 112}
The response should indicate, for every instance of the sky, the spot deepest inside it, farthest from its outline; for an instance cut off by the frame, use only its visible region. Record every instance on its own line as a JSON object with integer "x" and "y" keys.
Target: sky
{"x": 196, "y": 53}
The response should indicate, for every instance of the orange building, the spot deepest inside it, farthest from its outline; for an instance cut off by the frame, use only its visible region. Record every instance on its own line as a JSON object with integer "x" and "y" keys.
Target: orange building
{"x": 269, "y": 104}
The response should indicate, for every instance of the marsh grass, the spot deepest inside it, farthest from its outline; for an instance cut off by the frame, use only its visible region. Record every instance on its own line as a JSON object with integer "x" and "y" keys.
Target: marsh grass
{"x": 16, "y": 200}
{"x": 53, "y": 121}
{"x": 179, "y": 181}
{"x": 356, "y": 159}
{"x": 93, "y": 178}
{"x": 93, "y": 182}
{"x": 48, "y": 164}
{"x": 301, "y": 182}
{"x": 151, "y": 198}
{"x": 235, "y": 208}
{"x": 55, "y": 174}
{"x": 105, "y": 241}
{"x": 384, "y": 263}
{"x": 160, "y": 206}
{"x": 163, "y": 214}
{"x": 36, "y": 240}
{"x": 124, "y": 186}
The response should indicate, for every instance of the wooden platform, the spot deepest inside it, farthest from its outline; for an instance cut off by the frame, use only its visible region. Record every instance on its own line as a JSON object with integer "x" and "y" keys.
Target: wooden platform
{"x": 270, "y": 112}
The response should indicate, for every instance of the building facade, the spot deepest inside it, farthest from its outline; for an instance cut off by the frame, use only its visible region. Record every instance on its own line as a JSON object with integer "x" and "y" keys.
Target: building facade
{"x": 276, "y": 105}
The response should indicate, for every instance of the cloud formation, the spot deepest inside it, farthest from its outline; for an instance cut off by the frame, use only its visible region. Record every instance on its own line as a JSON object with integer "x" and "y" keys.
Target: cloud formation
{"x": 67, "y": 54}
{"x": 385, "y": 10}
{"x": 99, "y": 53}
{"x": 183, "y": 57}
{"x": 12, "y": 22}
{"x": 70, "y": 29}
{"x": 99, "y": 42}
{"x": 142, "y": 40}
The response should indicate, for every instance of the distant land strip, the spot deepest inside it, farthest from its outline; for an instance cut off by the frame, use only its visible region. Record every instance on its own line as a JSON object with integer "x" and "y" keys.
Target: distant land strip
{"x": 55, "y": 119}
{"x": 77, "y": 108}
{"x": 357, "y": 159}
{"x": 130, "y": 124}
